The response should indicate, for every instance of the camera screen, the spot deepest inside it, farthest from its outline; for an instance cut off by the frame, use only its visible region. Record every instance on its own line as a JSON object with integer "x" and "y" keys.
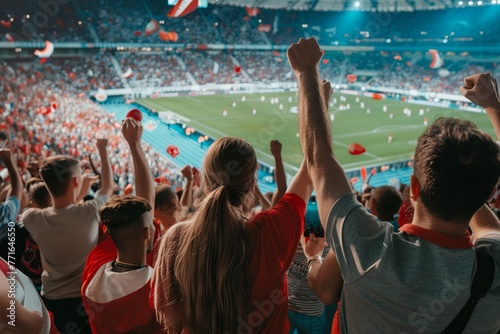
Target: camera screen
{"x": 312, "y": 223}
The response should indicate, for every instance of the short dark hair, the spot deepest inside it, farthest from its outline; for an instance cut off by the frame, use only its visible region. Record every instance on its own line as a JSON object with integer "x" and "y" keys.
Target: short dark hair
{"x": 122, "y": 211}
{"x": 39, "y": 194}
{"x": 456, "y": 166}
{"x": 164, "y": 197}
{"x": 387, "y": 200}
{"x": 56, "y": 172}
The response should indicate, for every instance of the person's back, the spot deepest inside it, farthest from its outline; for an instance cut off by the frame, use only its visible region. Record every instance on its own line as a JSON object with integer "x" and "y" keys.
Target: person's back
{"x": 116, "y": 279}
{"x": 420, "y": 278}
{"x": 385, "y": 202}
{"x": 66, "y": 233}
{"x": 220, "y": 273}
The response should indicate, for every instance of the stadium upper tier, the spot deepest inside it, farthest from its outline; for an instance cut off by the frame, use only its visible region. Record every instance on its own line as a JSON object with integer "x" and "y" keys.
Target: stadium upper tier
{"x": 125, "y": 21}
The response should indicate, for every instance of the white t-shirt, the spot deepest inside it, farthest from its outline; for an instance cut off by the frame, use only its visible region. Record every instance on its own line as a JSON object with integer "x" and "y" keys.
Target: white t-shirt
{"x": 107, "y": 285}
{"x": 65, "y": 237}
{"x": 414, "y": 281}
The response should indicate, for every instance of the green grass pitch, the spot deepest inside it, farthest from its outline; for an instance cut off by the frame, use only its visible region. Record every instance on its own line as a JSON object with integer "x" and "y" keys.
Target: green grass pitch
{"x": 371, "y": 130}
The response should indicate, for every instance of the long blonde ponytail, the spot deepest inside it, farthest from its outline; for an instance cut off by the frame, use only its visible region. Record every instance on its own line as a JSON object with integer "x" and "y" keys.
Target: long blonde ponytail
{"x": 208, "y": 273}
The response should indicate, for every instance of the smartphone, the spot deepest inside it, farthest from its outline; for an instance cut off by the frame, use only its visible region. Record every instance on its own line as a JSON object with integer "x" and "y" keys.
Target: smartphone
{"x": 312, "y": 223}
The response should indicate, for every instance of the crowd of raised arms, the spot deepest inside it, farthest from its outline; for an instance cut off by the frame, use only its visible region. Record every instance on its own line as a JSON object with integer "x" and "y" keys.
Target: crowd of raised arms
{"x": 91, "y": 244}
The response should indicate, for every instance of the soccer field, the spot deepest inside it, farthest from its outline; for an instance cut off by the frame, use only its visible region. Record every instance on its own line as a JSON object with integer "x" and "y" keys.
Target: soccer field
{"x": 356, "y": 125}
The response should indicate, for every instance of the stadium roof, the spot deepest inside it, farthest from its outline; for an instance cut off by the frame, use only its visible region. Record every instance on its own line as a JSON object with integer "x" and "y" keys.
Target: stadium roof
{"x": 362, "y": 5}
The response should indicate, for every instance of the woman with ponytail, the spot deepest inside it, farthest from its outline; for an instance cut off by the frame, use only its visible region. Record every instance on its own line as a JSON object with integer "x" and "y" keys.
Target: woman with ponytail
{"x": 219, "y": 272}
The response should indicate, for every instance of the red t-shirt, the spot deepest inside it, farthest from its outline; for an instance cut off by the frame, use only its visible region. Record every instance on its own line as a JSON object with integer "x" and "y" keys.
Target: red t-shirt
{"x": 130, "y": 313}
{"x": 274, "y": 236}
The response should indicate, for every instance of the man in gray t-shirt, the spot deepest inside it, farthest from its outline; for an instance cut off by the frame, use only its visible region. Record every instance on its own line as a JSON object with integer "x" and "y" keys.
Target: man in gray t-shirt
{"x": 419, "y": 279}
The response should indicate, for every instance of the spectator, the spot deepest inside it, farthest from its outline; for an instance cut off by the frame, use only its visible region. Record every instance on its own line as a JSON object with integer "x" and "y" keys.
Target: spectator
{"x": 167, "y": 208}
{"x": 30, "y": 315}
{"x": 71, "y": 228}
{"x": 306, "y": 312}
{"x": 220, "y": 259}
{"x": 395, "y": 281}
{"x": 279, "y": 172}
{"x": 384, "y": 203}
{"x": 27, "y": 252}
{"x": 118, "y": 270}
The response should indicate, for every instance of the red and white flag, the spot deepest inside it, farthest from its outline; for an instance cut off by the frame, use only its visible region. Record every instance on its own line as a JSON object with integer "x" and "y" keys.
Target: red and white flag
{"x": 252, "y": 11}
{"x": 183, "y": 7}
{"x": 264, "y": 27}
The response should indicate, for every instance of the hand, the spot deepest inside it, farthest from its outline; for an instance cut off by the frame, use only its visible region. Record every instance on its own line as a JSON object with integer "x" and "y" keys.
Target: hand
{"x": 132, "y": 131}
{"x": 101, "y": 144}
{"x": 482, "y": 90}
{"x": 314, "y": 246}
{"x": 187, "y": 172}
{"x": 327, "y": 91}
{"x": 5, "y": 155}
{"x": 305, "y": 55}
{"x": 275, "y": 148}
{"x": 87, "y": 182}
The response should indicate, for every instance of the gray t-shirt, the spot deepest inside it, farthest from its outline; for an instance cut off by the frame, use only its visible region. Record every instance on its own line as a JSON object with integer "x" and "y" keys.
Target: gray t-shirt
{"x": 65, "y": 237}
{"x": 406, "y": 282}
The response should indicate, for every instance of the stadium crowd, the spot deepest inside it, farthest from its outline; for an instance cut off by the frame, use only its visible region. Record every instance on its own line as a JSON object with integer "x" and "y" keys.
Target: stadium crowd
{"x": 185, "y": 67}
{"x": 215, "y": 257}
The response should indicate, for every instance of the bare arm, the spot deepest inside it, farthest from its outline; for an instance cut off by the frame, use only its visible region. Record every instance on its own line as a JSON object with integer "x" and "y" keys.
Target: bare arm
{"x": 326, "y": 173}
{"x": 106, "y": 173}
{"x": 86, "y": 184}
{"x": 482, "y": 89}
{"x": 94, "y": 169}
{"x": 186, "y": 201}
{"x": 15, "y": 178}
{"x": 279, "y": 172}
{"x": 483, "y": 222}
{"x": 301, "y": 184}
{"x": 144, "y": 186}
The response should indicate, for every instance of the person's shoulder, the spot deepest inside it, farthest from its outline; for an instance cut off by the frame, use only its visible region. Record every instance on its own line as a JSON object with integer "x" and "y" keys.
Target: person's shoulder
{"x": 489, "y": 240}
{"x": 97, "y": 201}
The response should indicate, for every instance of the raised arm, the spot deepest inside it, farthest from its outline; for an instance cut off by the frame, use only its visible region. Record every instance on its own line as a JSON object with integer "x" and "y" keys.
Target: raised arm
{"x": 324, "y": 275}
{"x": 301, "y": 184}
{"x": 186, "y": 201}
{"x": 484, "y": 222}
{"x": 87, "y": 182}
{"x": 482, "y": 89}
{"x": 144, "y": 186}
{"x": 263, "y": 201}
{"x": 326, "y": 173}
{"x": 279, "y": 172}
{"x": 106, "y": 173}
